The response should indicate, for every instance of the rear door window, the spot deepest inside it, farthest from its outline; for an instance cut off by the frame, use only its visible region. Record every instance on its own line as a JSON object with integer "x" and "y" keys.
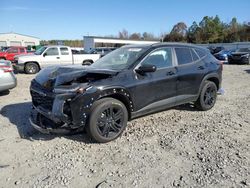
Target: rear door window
{"x": 64, "y": 51}
{"x": 194, "y": 55}
{"x": 22, "y": 50}
{"x": 183, "y": 55}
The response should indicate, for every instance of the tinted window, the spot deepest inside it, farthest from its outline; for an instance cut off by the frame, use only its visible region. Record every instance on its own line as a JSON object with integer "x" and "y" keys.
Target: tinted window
{"x": 183, "y": 56}
{"x": 52, "y": 51}
{"x": 22, "y": 50}
{"x": 201, "y": 53}
{"x": 64, "y": 51}
{"x": 161, "y": 58}
{"x": 194, "y": 55}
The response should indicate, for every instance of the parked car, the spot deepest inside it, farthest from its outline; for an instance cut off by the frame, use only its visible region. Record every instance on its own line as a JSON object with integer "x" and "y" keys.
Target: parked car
{"x": 3, "y": 48}
{"x": 78, "y": 51}
{"x": 102, "y": 50}
{"x": 214, "y": 50}
{"x": 129, "y": 82}
{"x": 240, "y": 56}
{"x": 52, "y": 55}
{"x": 223, "y": 55}
{"x": 7, "y": 77}
{"x": 12, "y": 51}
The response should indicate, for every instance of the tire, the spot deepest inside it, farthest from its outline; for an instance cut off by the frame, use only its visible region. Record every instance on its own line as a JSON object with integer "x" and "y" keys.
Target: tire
{"x": 31, "y": 68}
{"x": 103, "y": 125}
{"x": 2, "y": 58}
{"x": 207, "y": 97}
{"x": 87, "y": 63}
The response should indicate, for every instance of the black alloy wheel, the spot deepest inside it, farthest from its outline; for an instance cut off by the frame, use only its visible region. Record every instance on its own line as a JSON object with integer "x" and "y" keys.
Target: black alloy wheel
{"x": 208, "y": 96}
{"x": 108, "y": 119}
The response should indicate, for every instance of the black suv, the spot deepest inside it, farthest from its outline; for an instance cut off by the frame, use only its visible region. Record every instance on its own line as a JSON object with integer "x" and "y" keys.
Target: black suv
{"x": 240, "y": 56}
{"x": 129, "y": 82}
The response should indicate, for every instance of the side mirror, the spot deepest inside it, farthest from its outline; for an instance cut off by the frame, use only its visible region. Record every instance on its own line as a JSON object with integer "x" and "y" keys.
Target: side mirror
{"x": 44, "y": 54}
{"x": 146, "y": 68}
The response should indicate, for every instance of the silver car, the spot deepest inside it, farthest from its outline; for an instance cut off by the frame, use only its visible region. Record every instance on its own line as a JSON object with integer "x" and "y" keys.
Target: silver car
{"x": 7, "y": 76}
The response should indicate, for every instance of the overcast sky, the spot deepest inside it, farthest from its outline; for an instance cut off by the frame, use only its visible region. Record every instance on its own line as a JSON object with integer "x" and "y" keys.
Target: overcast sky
{"x": 48, "y": 19}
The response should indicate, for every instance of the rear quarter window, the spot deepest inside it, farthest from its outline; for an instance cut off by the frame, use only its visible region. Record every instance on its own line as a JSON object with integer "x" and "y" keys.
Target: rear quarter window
{"x": 201, "y": 53}
{"x": 194, "y": 55}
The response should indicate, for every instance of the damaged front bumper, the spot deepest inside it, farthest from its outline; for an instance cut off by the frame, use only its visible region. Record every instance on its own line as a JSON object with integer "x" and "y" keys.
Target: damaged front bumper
{"x": 46, "y": 122}
{"x": 57, "y": 113}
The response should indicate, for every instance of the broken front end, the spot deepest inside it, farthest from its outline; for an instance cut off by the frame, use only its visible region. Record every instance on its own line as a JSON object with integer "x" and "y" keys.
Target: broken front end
{"x": 62, "y": 102}
{"x": 61, "y": 110}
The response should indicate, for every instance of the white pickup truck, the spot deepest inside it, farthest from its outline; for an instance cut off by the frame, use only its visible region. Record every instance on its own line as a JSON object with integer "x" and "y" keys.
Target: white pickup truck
{"x": 51, "y": 55}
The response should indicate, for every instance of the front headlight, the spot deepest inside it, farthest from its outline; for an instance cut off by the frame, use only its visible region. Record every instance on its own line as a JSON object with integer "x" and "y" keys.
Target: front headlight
{"x": 246, "y": 56}
{"x": 77, "y": 89}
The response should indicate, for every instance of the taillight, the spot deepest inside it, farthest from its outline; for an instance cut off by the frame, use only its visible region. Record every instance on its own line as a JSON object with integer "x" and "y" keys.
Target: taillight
{"x": 6, "y": 68}
{"x": 221, "y": 63}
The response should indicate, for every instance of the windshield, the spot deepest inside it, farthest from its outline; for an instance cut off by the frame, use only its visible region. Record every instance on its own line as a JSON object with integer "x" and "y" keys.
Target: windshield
{"x": 40, "y": 50}
{"x": 119, "y": 59}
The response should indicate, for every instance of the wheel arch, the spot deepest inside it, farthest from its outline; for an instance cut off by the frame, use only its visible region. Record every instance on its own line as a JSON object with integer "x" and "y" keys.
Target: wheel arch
{"x": 122, "y": 95}
{"x": 213, "y": 77}
{"x": 87, "y": 60}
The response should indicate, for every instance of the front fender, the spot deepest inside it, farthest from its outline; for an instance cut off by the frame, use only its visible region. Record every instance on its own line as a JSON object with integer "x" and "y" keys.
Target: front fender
{"x": 81, "y": 104}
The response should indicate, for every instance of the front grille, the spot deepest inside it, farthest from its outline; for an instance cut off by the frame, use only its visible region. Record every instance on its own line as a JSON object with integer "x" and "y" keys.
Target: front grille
{"x": 41, "y": 97}
{"x": 41, "y": 100}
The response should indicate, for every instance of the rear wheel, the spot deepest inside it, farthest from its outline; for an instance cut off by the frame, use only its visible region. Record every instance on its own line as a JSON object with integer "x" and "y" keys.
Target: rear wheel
{"x": 87, "y": 62}
{"x": 108, "y": 119}
{"x": 207, "y": 96}
{"x": 31, "y": 68}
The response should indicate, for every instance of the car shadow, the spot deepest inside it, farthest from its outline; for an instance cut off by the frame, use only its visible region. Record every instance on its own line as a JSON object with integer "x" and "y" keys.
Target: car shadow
{"x": 18, "y": 114}
{"x": 3, "y": 93}
{"x": 186, "y": 107}
{"x": 247, "y": 71}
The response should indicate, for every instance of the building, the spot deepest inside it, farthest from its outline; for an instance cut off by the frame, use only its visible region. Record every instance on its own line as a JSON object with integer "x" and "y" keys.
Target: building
{"x": 91, "y": 42}
{"x": 15, "y": 39}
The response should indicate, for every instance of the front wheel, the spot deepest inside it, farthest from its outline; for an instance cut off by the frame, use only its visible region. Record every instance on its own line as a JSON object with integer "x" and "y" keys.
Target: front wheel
{"x": 108, "y": 119}
{"x": 207, "y": 96}
{"x": 31, "y": 68}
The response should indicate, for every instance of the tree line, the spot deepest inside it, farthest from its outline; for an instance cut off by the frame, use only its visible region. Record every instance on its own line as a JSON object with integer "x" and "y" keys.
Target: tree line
{"x": 208, "y": 30}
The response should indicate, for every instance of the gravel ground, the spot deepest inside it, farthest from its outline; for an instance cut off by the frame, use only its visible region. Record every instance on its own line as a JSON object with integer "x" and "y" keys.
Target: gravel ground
{"x": 181, "y": 147}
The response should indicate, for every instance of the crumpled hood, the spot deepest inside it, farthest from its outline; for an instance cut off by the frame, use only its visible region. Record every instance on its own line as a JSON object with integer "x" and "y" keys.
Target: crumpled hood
{"x": 65, "y": 74}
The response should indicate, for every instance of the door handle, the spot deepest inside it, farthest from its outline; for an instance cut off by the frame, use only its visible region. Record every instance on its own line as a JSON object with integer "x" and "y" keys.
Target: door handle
{"x": 57, "y": 57}
{"x": 170, "y": 73}
{"x": 201, "y": 67}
